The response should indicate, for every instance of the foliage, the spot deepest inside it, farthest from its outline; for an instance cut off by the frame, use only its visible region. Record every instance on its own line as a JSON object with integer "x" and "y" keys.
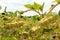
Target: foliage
{"x": 57, "y": 0}
{"x": 35, "y": 6}
{"x": 18, "y": 27}
{"x": 28, "y": 6}
{"x": 8, "y": 38}
{"x": 0, "y": 7}
{"x": 5, "y": 9}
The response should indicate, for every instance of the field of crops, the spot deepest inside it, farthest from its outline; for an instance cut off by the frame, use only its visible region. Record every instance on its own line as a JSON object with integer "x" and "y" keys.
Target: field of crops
{"x": 38, "y": 27}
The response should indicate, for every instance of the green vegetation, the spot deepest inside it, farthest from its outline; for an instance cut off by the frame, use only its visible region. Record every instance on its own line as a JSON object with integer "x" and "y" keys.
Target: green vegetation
{"x": 44, "y": 26}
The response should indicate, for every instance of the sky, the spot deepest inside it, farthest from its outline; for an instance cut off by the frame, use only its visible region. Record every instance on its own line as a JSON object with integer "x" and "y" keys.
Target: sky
{"x": 13, "y": 5}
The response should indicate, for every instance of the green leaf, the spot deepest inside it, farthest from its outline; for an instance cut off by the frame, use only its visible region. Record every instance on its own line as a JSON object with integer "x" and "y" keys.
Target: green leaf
{"x": 5, "y": 9}
{"x": 28, "y": 6}
{"x": 59, "y": 13}
{"x": 36, "y": 6}
{"x": 57, "y": 30}
{"x": 58, "y": 36}
{"x": 42, "y": 6}
{"x": 0, "y": 15}
{"x": 15, "y": 13}
{"x": 0, "y": 7}
{"x": 22, "y": 28}
{"x": 8, "y": 38}
{"x": 21, "y": 12}
{"x": 57, "y": 0}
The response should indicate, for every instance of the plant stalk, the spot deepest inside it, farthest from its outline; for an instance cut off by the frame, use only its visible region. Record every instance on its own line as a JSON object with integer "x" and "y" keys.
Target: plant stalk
{"x": 53, "y": 8}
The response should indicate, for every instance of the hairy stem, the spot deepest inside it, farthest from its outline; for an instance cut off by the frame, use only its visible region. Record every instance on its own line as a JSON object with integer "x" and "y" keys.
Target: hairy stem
{"x": 53, "y": 8}
{"x": 26, "y": 10}
{"x": 39, "y": 13}
{"x": 35, "y": 11}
